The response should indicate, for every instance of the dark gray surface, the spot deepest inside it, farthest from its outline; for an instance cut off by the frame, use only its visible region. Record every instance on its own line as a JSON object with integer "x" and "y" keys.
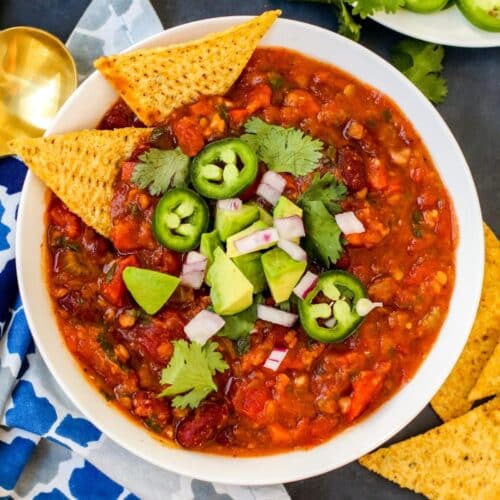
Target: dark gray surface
{"x": 471, "y": 111}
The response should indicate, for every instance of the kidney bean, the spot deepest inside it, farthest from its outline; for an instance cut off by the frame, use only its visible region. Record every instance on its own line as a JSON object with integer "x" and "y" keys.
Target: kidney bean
{"x": 352, "y": 168}
{"x": 202, "y": 425}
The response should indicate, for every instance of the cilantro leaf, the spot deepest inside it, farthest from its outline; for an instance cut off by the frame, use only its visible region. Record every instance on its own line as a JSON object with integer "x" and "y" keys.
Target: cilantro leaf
{"x": 326, "y": 189}
{"x": 322, "y": 233}
{"x": 239, "y": 325}
{"x": 421, "y": 62}
{"x": 190, "y": 373}
{"x": 159, "y": 169}
{"x": 283, "y": 149}
{"x": 365, "y": 8}
{"x": 347, "y": 26}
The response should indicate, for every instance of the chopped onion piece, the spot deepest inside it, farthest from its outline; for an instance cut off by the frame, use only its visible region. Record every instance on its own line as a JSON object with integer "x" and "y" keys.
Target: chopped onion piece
{"x": 293, "y": 250}
{"x": 269, "y": 194}
{"x": 330, "y": 323}
{"x": 195, "y": 263}
{"x": 275, "y": 180}
{"x": 228, "y": 385}
{"x": 276, "y": 316}
{"x": 306, "y": 284}
{"x": 290, "y": 227}
{"x": 203, "y": 326}
{"x": 275, "y": 359}
{"x": 365, "y": 306}
{"x": 256, "y": 241}
{"x": 231, "y": 204}
{"x": 194, "y": 257}
{"x": 349, "y": 223}
{"x": 194, "y": 279}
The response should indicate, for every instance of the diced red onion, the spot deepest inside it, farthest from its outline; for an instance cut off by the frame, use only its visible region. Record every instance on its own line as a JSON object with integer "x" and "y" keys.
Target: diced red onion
{"x": 269, "y": 194}
{"x": 275, "y": 180}
{"x": 366, "y": 306}
{"x": 231, "y": 204}
{"x": 349, "y": 223}
{"x": 228, "y": 385}
{"x": 256, "y": 241}
{"x": 290, "y": 227}
{"x": 194, "y": 279}
{"x": 203, "y": 326}
{"x": 275, "y": 359}
{"x": 194, "y": 261}
{"x": 330, "y": 323}
{"x": 276, "y": 316}
{"x": 306, "y": 285}
{"x": 293, "y": 250}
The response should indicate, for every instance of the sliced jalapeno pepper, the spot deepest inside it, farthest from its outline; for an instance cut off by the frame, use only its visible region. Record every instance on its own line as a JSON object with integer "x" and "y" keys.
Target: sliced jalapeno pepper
{"x": 334, "y": 318}
{"x": 224, "y": 169}
{"x": 485, "y": 14}
{"x": 179, "y": 220}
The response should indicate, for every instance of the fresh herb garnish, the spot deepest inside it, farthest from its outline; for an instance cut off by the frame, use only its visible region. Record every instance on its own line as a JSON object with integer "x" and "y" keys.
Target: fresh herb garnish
{"x": 106, "y": 345}
{"x": 421, "y": 63}
{"x": 276, "y": 81}
{"x": 283, "y": 149}
{"x": 239, "y": 325}
{"x": 190, "y": 373}
{"x": 322, "y": 233}
{"x": 365, "y": 8}
{"x": 160, "y": 169}
{"x": 63, "y": 242}
{"x": 326, "y": 189}
{"x": 110, "y": 272}
{"x": 347, "y": 26}
{"x": 153, "y": 424}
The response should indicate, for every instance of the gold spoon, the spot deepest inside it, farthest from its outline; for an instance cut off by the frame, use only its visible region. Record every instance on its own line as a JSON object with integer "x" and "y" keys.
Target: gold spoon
{"x": 37, "y": 74}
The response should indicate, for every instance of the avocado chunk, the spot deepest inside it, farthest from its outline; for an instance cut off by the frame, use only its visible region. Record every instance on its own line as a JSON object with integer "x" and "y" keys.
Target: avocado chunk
{"x": 208, "y": 243}
{"x": 264, "y": 215}
{"x": 256, "y": 226}
{"x": 282, "y": 273}
{"x": 231, "y": 291}
{"x": 251, "y": 266}
{"x": 150, "y": 289}
{"x": 286, "y": 208}
{"x": 228, "y": 222}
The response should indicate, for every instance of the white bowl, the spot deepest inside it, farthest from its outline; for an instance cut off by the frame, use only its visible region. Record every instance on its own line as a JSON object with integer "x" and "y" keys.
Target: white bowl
{"x": 85, "y": 108}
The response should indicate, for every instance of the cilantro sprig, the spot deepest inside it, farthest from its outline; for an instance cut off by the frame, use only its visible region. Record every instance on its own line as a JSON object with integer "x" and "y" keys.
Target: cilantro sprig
{"x": 283, "y": 149}
{"x": 190, "y": 373}
{"x": 421, "y": 62}
{"x": 160, "y": 169}
{"x": 320, "y": 203}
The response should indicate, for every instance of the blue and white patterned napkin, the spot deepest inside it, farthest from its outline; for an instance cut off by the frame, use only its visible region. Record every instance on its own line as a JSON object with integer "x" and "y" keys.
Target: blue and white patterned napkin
{"x": 48, "y": 450}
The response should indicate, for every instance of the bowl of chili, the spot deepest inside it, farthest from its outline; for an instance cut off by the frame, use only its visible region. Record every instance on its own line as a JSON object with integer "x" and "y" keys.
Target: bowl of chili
{"x": 438, "y": 278}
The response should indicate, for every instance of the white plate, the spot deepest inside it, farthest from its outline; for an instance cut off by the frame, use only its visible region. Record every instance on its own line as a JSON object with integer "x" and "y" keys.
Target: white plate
{"x": 446, "y": 27}
{"x": 85, "y": 108}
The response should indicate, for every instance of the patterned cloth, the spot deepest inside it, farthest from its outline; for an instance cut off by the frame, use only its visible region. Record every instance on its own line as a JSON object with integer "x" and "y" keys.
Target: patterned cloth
{"x": 48, "y": 450}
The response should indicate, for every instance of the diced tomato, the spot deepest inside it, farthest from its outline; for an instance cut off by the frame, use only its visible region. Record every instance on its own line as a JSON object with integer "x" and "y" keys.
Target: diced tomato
{"x": 189, "y": 135}
{"x": 258, "y": 98}
{"x": 237, "y": 117}
{"x": 68, "y": 222}
{"x": 131, "y": 234}
{"x": 127, "y": 170}
{"x": 250, "y": 399}
{"x": 304, "y": 101}
{"x": 365, "y": 388}
{"x": 202, "y": 425}
{"x": 114, "y": 289}
{"x": 420, "y": 270}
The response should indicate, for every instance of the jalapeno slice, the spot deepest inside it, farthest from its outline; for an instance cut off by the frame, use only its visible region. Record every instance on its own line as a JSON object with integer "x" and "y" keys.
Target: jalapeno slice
{"x": 425, "y": 5}
{"x": 179, "y": 219}
{"x": 485, "y": 14}
{"x": 224, "y": 169}
{"x": 333, "y": 318}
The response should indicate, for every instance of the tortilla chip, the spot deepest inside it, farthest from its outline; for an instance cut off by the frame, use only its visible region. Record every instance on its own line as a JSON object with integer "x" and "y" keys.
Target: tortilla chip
{"x": 452, "y": 399}
{"x": 154, "y": 82}
{"x": 488, "y": 382}
{"x": 458, "y": 460}
{"x": 81, "y": 167}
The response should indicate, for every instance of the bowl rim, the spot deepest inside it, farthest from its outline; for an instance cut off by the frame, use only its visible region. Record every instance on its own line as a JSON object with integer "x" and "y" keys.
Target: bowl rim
{"x": 296, "y": 464}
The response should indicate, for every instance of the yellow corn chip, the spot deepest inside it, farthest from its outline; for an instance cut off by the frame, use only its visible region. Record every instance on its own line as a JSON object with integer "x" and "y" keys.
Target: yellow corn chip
{"x": 452, "y": 399}
{"x": 154, "y": 82}
{"x": 81, "y": 167}
{"x": 458, "y": 460}
{"x": 488, "y": 382}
